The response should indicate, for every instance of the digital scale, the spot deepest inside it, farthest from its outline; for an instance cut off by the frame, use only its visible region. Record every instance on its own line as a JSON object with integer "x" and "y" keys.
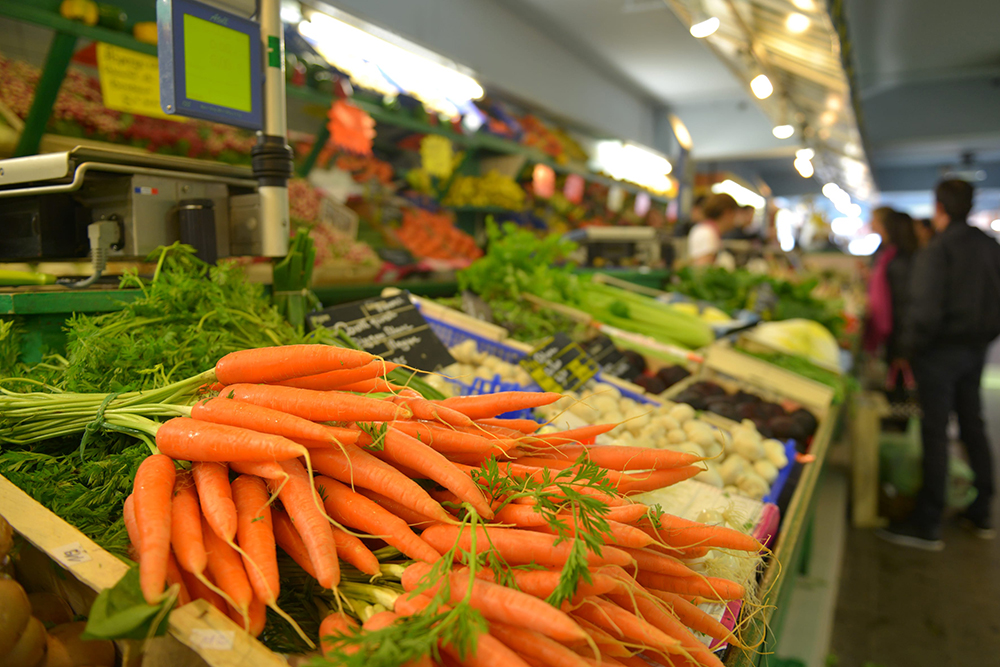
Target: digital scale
{"x": 221, "y": 61}
{"x": 613, "y": 245}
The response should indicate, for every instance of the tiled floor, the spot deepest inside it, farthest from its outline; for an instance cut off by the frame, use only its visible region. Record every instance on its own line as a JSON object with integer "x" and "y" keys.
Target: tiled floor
{"x": 905, "y": 608}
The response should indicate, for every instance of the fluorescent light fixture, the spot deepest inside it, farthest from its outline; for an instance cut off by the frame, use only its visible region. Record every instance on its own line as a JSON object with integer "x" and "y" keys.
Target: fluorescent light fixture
{"x": 804, "y": 167}
{"x": 805, "y": 5}
{"x": 380, "y": 64}
{"x": 805, "y": 154}
{"x": 797, "y": 23}
{"x": 291, "y": 12}
{"x": 743, "y": 196}
{"x": 761, "y": 86}
{"x": 703, "y": 29}
{"x": 846, "y": 226}
{"x": 841, "y": 200}
{"x": 864, "y": 246}
{"x": 681, "y": 132}
{"x": 636, "y": 164}
{"x": 783, "y": 131}
{"x": 995, "y": 225}
{"x": 784, "y": 226}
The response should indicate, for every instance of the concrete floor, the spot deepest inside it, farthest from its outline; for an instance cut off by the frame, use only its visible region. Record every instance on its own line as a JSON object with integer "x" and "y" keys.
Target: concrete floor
{"x": 901, "y": 607}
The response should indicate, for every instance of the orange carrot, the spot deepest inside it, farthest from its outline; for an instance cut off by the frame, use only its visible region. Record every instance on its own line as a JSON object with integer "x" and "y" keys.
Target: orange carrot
{"x": 571, "y": 436}
{"x": 354, "y": 466}
{"x": 535, "y": 646}
{"x": 653, "y": 613}
{"x": 555, "y": 492}
{"x": 627, "y": 458}
{"x": 520, "y": 425}
{"x": 621, "y": 535}
{"x": 498, "y": 603}
{"x": 377, "y": 386}
{"x": 256, "y": 418}
{"x": 273, "y": 364}
{"x": 336, "y": 379}
{"x": 658, "y": 479}
{"x": 678, "y": 532}
{"x": 693, "y": 616}
{"x": 491, "y": 405}
{"x": 335, "y": 626}
{"x": 712, "y": 588}
{"x": 408, "y": 515}
{"x": 608, "y": 645}
{"x": 319, "y": 406}
{"x": 255, "y": 536}
{"x": 541, "y": 583}
{"x": 433, "y": 412}
{"x": 288, "y": 538}
{"x": 352, "y": 509}
{"x": 174, "y": 573}
{"x": 263, "y": 469}
{"x": 227, "y": 571}
{"x": 518, "y": 547}
{"x": 651, "y": 561}
{"x": 196, "y": 440}
{"x": 448, "y": 440}
{"x": 354, "y": 551}
{"x": 624, "y": 625}
{"x": 200, "y": 591}
{"x": 258, "y": 617}
{"x": 312, "y": 525}
{"x": 216, "y": 497}
{"x": 154, "y": 486}
{"x": 185, "y": 527}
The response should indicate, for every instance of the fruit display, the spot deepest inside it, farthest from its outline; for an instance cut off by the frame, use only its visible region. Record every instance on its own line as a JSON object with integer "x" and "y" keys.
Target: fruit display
{"x": 434, "y": 235}
{"x": 333, "y": 246}
{"x": 491, "y": 190}
{"x": 663, "y": 379}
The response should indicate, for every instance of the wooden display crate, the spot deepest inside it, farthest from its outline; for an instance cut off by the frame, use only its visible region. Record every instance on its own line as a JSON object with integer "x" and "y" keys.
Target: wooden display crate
{"x": 749, "y": 341}
{"x": 199, "y": 634}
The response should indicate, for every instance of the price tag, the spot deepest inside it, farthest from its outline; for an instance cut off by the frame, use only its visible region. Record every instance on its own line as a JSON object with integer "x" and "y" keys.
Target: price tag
{"x": 559, "y": 364}
{"x": 215, "y": 640}
{"x": 130, "y": 81}
{"x": 573, "y": 189}
{"x": 610, "y": 359}
{"x": 473, "y": 304}
{"x": 390, "y": 327}
{"x": 72, "y": 554}
{"x": 436, "y": 155}
{"x": 543, "y": 181}
{"x": 762, "y": 300}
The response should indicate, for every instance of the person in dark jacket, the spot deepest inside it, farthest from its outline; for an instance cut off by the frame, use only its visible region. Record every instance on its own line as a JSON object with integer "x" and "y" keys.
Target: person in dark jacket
{"x": 954, "y": 314}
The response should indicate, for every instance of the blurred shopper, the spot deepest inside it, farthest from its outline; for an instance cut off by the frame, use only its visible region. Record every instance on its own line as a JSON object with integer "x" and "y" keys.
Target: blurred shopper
{"x": 924, "y": 230}
{"x": 705, "y": 239}
{"x": 682, "y": 229}
{"x": 742, "y": 229}
{"x": 954, "y": 315}
{"x": 889, "y": 286}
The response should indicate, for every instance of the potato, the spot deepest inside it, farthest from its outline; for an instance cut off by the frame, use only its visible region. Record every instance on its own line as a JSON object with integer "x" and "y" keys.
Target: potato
{"x": 774, "y": 450}
{"x": 66, "y": 649}
{"x": 6, "y": 538}
{"x": 752, "y": 485}
{"x": 734, "y": 466}
{"x": 50, "y": 609}
{"x": 15, "y": 610}
{"x": 29, "y": 651}
{"x": 676, "y": 437}
{"x": 766, "y": 469}
{"x": 748, "y": 446}
{"x": 682, "y": 412}
{"x": 710, "y": 476}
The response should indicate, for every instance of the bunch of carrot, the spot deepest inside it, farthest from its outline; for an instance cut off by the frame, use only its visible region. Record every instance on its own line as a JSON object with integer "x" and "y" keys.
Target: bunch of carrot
{"x": 235, "y": 480}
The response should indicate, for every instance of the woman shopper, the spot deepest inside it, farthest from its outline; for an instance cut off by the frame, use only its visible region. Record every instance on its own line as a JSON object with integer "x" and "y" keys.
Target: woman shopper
{"x": 705, "y": 239}
{"x": 889, "y": 285}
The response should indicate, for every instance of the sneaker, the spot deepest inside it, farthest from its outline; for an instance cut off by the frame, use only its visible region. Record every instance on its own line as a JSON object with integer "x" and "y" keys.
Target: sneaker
{"x": 908, "y": 535}
{"x": 983, "y": 529}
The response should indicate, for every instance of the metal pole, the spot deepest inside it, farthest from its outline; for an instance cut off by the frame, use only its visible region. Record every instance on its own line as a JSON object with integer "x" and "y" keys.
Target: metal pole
{"x": 272, "y": 156}
{"x": 46, "y": 92}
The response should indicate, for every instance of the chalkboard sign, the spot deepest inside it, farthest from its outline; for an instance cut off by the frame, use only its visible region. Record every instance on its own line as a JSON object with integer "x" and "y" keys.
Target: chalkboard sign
{"x": 559, "y": 364}
{"x": 473, "y": 304}
{"x": 389, "y": 327}
{"x": 609, "y": 358}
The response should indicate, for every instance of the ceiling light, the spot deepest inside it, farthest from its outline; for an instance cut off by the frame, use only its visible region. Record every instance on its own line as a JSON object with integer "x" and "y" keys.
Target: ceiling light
{"x": 783, "y": 131}
{"x": 995, "y": 225}
{"x": 846, "y": 226}
{"x": 681, "y": 132}
{"x": 761, "y": 86}
{"x": 797, "y": 23}
{"x": 805, "y": 154}
{"x": 804, "y": 167}
{"x": 828, "y": 117}
{"x": 629, "y": 162}
{"x": 864, "y": 246}
{"x": 743, "y": 196}
{"x": 834, "y": 102}
{"x": 805, "y": 5}
{"x": 705, "y": 28}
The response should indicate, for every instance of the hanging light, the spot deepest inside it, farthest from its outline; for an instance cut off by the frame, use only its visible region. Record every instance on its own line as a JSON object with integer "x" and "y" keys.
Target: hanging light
{"x": 703, "y": 29}
{"x": 797, "y": 23}
{"x": 761, "y": 86}
{"x": 783, "y": 131}
{"x": 805, "y": 154}
{"x": 805, "y": 5}
{"x": 804, "y": 166}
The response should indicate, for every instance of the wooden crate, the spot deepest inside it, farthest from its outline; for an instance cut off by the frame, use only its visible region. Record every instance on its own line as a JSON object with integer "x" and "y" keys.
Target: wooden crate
{"x": 199, "y": 634}
{"x": 749, "y": 341}
{"x": 865, "y": 419}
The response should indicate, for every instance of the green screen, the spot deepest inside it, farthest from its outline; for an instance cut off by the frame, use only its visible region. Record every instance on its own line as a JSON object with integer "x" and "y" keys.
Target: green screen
{"x": 216, "y": 64}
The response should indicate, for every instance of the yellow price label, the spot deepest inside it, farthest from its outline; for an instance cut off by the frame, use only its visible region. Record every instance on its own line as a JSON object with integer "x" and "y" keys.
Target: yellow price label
{"x": 130, "y": 81}
{"x": 436, "y": 155}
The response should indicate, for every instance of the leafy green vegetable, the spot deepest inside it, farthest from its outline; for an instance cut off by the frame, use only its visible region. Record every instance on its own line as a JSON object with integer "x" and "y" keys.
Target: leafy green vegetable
{"x": 841, "y": 384}
{"x": 121, "y": 612}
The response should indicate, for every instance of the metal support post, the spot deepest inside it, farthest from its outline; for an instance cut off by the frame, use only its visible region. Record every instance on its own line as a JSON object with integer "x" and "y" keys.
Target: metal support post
{"x": 56, "y": 63}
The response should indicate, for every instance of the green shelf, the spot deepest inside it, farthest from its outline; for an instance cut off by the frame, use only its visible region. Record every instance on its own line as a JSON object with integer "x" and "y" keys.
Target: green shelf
{"x": 32, "y": 13}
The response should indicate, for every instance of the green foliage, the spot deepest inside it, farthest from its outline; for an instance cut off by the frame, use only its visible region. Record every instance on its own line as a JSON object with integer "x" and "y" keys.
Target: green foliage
{"x": 841, "y": 384}
{"x": 121, "y": 612}
{"x": 10, "y": 347}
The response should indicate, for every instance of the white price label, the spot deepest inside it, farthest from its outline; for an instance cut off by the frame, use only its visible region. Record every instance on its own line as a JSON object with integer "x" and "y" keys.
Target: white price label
{"x": 72, "y": 554}
{"x": 216, "y": 640}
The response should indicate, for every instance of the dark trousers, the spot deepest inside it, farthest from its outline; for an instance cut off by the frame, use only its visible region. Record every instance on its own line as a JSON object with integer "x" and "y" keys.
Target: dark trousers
{"x": 948, "y": 381}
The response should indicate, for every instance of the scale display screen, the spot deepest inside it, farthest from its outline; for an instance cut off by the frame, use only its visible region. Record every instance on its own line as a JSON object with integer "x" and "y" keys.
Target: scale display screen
{"x": 210, "y": 64}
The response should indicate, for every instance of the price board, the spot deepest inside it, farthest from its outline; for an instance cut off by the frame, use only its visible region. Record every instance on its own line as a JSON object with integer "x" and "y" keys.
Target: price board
{"x": 390, "y": 327}
{"x": 473, "y": 304}
{"x": 559, "y": 364}
{"x": 609, "y": 358}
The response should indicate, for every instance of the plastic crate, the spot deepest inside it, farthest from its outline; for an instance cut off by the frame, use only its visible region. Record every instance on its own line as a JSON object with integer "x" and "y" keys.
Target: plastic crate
{"x": 452, "y": 335}
{"x": 782, "y": 478}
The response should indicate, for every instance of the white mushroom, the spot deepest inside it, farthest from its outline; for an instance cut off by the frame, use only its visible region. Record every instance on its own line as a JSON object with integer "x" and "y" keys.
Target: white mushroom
{"x": 734, "y": 466}
{"x": 682, "y": 412}
{"x": 677, "y": 436}
{"x": 753, "y": 485}
{"x": 710, "y": 476}
{"x": 766, "y": 469}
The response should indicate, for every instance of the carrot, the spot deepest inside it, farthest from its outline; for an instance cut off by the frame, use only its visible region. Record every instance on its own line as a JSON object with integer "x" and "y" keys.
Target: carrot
{"x": 354, "y": 510}
{"x": 216, "y": 497}
{"x": 608, "y": 645}
{"x": 175, "y": 575}
{"x": 621, "y": 535}
{"x": 273, "y": 364}
{"x": 693, "y": 616}
{"x": 518, "y": 547}
{"x": 227, "y": 571}
{"x": 571, "y": 436}
{"x": 624, "y": 625}
{"x": 354, "y": 466}
{"x": 651, "y": 561}
{"x": 199, "y": 590}
{"x": 318, "y": 406}
{"x": 336, "y": 625}
{"x": 354, "y": 551}
{"x": 491, "y": 405}
{"x": 654, "y": 614}
{"x": 448, "y": 440}
{"x": 336, "y": 379}
{"x": 384, "y": 619}
{"x": 255, "y": 619}
{"x": 410, "y": 452}
{"x": 408, "y": 515}
{"x": 520, "y": 425}
{"x": 534, "y": 646}
{"x": 288, "y": 538}
{"x": 263, "y": 469}
{"x": 255, "y": 535}
{"x": 297, "y": 495}
{"x": 377, "y": 386}
{"x": 432, "y": 412}
{"x": 256, "y": 418}
{"x": 154, "y": 485}
{"x": 609, "y": 499}
{"x": 541, "y": 583}
{"x": 712, "y": 588}
{"x": 678, "y": 532}
{"x": 196, "y": 440}
{"x": 657, "y": 479}
{"x": 627, "y": 458}
{"x": 497, "y": 603}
